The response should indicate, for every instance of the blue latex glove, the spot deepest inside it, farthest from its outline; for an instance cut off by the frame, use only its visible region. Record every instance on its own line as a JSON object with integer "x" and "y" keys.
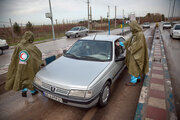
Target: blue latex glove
{"x": 121, "y": 44}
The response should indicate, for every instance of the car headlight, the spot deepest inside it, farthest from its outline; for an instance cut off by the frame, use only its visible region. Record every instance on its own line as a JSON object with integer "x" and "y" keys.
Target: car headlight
{"x": 176, "y": 32}
{"x": 81, "y": 93}
{"x": 37, "y": 81}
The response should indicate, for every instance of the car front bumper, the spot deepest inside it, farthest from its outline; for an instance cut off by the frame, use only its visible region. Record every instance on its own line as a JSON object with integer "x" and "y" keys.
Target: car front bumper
{"x": 4, "y": 47}
{"x": 83, "y": 103}
{"x": 167, "y": 27}
{"x": 176, "y": 35}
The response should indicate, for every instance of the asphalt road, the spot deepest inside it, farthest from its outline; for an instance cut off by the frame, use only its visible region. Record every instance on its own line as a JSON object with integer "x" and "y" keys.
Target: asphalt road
{"x": 172, "y": 50}
{"x": 122, "y": 104}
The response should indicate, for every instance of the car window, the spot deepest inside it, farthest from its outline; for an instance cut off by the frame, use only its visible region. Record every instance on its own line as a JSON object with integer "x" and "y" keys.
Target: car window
{"x": 91, "y": 50}
{"x": 167, "y": 24}
{"x": 75, "y": 29}
{"x": 177, "y": 27}
{"x": 146, "y": 23}
{"x": 81, "y": 28}
{"x": 119, "y": 50}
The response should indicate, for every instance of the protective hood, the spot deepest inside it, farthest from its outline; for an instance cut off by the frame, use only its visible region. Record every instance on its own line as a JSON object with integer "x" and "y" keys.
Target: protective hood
{"x": 135, "y": 27}
{"x": 28, "y": 37}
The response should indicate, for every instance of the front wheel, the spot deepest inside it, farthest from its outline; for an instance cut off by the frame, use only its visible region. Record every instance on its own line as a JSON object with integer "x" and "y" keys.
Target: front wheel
{"x": 86, "y": 34}
{"x": 76, "y": 35}
{"x": 104, "y": 95}
{"x": 172, "y": 36}
{"x": 1, "y": 51}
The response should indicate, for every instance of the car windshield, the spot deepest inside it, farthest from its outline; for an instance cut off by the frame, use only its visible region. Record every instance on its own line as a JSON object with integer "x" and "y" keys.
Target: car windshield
{"x": 146, "y": 23}
{"x": 75, "y": 29}
{"x": 167, "y": 24}
{"x": 177, "y": 27}
{"x": 91, "y": 50}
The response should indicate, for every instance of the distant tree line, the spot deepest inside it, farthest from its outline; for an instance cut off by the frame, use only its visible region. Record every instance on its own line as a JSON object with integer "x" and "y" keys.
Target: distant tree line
{"x": 151, "y": 17}
{"x": 17, "y": 28}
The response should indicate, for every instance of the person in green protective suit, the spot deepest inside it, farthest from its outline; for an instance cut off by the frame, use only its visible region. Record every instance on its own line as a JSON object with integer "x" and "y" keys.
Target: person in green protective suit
{"x": 25, "y": 63}
{"x": 137, "y": 60}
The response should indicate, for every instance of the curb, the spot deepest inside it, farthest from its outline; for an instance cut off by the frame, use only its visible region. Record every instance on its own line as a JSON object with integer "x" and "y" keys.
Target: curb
{"x": 143, "y": 99}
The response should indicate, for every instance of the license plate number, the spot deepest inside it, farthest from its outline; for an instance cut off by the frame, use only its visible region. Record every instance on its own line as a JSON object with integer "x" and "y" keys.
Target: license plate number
{"x": 53, "y": 97}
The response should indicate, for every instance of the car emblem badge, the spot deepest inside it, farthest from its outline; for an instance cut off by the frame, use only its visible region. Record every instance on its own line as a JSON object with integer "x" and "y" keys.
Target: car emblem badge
{"x": 53, "y": 89}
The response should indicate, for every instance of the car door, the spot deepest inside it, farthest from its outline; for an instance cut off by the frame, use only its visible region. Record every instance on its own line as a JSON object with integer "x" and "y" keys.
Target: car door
{"x": 81, "y": 32}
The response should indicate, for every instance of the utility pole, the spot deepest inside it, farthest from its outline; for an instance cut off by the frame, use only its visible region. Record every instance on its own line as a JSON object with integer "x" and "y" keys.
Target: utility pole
{"x": 52, "y": 20}
{"x": 115, "y": 18}
{"x": 123, "y": 22}
{"x": 88, "y": 12}
{"x": 11, "y": 28}
{"x": 56, "y": 21}
{"x": 173, "y": 10}
{"x": 169, "y": 9}
{"x": 90, "y": 16}
{"x": 101, "y": 22}
{"x": 108, "y": 16}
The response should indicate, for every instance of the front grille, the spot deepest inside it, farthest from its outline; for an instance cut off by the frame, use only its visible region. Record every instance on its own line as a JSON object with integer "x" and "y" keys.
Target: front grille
{"x": 57, "y": 89}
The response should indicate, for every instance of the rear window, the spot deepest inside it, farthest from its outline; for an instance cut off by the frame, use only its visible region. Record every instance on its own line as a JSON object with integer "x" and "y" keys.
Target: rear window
{"x": 177, "y": 27}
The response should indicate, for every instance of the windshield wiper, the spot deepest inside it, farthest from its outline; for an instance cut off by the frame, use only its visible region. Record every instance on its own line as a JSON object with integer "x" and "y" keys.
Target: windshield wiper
{"x": 91, "y": 58}
{"x": 71, "y": 55}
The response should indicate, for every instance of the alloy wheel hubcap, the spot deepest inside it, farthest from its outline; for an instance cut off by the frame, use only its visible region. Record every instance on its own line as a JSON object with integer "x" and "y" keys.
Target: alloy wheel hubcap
{"x": 105, "y": 94}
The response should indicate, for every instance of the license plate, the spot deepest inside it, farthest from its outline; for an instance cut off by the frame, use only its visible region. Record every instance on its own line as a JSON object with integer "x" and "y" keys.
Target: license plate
{"x": 53, "y": 97}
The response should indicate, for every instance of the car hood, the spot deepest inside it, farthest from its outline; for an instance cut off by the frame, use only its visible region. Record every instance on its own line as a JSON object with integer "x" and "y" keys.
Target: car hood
{"x": 3, "y": 42}
{"x": 176, "y": 31}
{"x": 71, "y": 73}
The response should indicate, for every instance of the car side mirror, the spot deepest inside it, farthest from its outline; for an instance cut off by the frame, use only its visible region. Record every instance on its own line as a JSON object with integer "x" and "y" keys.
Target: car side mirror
{"x": 120, "y": 58}
{"x": 64, "y": 51}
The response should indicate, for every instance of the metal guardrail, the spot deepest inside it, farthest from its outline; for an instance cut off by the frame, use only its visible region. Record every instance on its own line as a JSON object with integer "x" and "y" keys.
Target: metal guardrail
{"x": 124, "y": 33}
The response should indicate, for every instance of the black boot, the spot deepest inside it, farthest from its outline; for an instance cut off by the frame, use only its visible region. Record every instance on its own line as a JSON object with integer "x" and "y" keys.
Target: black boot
{"x": 24, "y": 93}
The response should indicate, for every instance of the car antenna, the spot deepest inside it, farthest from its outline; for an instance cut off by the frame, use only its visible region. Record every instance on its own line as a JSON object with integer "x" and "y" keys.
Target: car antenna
{"x": 94, "y": 36}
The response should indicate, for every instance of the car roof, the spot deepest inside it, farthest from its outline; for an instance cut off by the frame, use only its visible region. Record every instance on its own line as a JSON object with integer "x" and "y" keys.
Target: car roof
{"x": 111, "y": 38}
{"x": 176, "y": 24}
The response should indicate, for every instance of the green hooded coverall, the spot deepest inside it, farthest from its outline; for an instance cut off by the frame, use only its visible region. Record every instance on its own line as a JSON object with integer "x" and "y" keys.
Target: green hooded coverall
{"x": 137, "y": 60}
{"x": 25, "y": 63}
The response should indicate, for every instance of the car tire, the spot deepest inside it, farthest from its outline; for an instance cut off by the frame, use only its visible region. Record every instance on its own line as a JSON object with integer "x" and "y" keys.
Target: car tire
{"x": 86, "y": 34}
{"x": 1, "y": 51}
{"x": 172, "y": 36}
{"x": 104, "y": 95}
{"x": 76, "y": 35}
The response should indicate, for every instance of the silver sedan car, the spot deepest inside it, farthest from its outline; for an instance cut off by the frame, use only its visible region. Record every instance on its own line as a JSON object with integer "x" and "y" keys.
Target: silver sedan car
{"x": 82, "y": 77}
{"x": 77, "y": 31}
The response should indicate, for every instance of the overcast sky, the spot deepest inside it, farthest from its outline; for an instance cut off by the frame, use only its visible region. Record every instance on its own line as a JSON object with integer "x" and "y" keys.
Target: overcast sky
{"x": 22, "y": 11}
